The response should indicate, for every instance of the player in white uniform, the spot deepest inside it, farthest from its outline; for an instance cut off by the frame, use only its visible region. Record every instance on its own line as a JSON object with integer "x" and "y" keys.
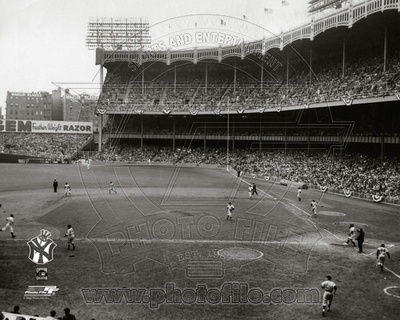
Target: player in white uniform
{"x": 71, "y": 235}
{"x": 351, "y": 235}
{"x": 67, "y": 189}
{"x": 381, "y": 254}
{"x": 111, "y": 188}
{"x": 330, "y": 289}
{"x": 230, "y": 208}
{"x": 250, "y": 192}
{"x": 88, "y": 163}
{"x": 299, "y": 194}
{"x": 9, "y": 225}
{"x": 314, "y": 208}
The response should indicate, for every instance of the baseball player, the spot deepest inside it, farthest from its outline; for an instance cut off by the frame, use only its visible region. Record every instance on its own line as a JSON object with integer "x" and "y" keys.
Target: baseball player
{"x": 71, "y": 235}
{"x": 230, "y": 208}
{"x": 381, "y": 253}
{"x": 250, "y": 188}
{"x": 299, "y": 194}
{"x": 329, "y": 290}
{"x": 111, "y": 188}
{"x": 314, "y": 208}
{"x": 351, "y": 235}
{"x": 67, "y": 189}
{"x": 9, "y": 225}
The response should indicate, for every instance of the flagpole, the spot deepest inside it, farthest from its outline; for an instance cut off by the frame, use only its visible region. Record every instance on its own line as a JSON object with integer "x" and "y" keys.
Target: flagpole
{"x": 227, "y": 142}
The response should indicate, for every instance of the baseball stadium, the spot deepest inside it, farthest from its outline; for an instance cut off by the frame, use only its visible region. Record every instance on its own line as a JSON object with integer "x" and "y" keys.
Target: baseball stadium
{"x": 223, "y": 172}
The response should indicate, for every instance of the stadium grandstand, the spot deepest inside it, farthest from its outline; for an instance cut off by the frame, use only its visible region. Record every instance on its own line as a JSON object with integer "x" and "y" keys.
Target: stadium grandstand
{"x": 324, "y": 90}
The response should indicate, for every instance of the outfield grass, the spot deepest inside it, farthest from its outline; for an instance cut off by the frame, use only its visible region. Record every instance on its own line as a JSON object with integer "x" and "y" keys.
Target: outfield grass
{"x": 163, "y": 230}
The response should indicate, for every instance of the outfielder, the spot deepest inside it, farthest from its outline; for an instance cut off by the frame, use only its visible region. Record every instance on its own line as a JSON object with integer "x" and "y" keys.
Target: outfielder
{"x": 299, "y": 194}
{"x": 330, "y": 289}
{"x": 9, "y": 225}
{"x": 111, "y": 188}
{"x": 381, "y": 253}
{"x": 71, "y": 235}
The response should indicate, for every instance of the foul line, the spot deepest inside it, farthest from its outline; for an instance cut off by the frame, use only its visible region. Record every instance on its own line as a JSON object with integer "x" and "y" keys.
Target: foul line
{"x": 386, "y": 268}
{"x": 334, "y": 235}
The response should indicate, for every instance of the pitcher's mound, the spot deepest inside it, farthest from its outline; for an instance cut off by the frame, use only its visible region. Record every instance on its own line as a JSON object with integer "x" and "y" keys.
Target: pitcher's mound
{"x": 239, "y": 253}
{"x": 393, "y": 291}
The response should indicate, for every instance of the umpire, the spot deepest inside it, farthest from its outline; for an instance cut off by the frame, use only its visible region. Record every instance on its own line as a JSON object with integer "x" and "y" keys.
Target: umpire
{"x": 360, "y": 239}
{"x": 55, "y": 185}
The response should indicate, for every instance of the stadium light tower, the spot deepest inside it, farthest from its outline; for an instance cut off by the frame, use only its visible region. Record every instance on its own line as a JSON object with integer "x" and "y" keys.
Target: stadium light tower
{"x": 116, "y": 34}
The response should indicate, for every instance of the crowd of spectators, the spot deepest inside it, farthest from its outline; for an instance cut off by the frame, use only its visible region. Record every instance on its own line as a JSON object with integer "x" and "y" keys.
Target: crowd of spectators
{"x": 358, "y": 173}
{"x": 42, "y": 145}
{"x": 363, "y": 78}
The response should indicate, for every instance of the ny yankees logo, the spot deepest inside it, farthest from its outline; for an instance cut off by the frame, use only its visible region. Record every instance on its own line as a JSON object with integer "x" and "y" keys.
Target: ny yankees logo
{"x": 41, "y": 248}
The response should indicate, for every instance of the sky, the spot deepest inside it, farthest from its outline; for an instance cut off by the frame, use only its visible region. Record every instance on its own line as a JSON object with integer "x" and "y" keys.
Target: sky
{"x": 43, "y": 41}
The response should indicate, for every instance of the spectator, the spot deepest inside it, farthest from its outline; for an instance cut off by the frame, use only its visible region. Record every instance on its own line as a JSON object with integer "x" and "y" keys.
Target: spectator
{"x": 16, "y": 310}
{"x": 68, "y": 315}
{"x": 52, "y": 315}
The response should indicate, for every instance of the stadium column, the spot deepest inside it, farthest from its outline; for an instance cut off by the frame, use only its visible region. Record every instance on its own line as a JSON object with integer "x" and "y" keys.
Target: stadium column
{"x": 205, "y": 136}
{"x": 260, "y": 136}
{"x": 385, "y": 50}
{"x": 141, "y": 133}
{"x": 344, "y": 57}
{"x": 233, "y": 134}
{"x": 234, "y": 80}
{"x": 310, "y": 66}
{"x": 173, "y": 134}
{"x": 206, "y": 79}
{"x": 175, "y": 79}
{"x": 287, "y": 71}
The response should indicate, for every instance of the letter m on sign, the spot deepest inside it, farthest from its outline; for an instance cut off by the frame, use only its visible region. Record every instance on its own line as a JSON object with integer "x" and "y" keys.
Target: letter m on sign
{"x": 41, "y": 252}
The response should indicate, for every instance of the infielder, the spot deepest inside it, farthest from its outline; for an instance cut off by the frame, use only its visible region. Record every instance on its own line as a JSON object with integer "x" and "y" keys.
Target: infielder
{"x": 71, "y": 235}
{"x": 230, "y": 208}
{"x": 314, "y": 208}
{"x": 381, "y": 253}
{"x": 67, "y": 189}
{"x": 9, "y": 225}
{"x": 330, "y": 289}
{"x": 250, "y": 188}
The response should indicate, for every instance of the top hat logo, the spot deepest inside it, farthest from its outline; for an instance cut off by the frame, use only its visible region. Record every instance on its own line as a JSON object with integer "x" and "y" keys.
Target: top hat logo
{"x": 44, "y": 235}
